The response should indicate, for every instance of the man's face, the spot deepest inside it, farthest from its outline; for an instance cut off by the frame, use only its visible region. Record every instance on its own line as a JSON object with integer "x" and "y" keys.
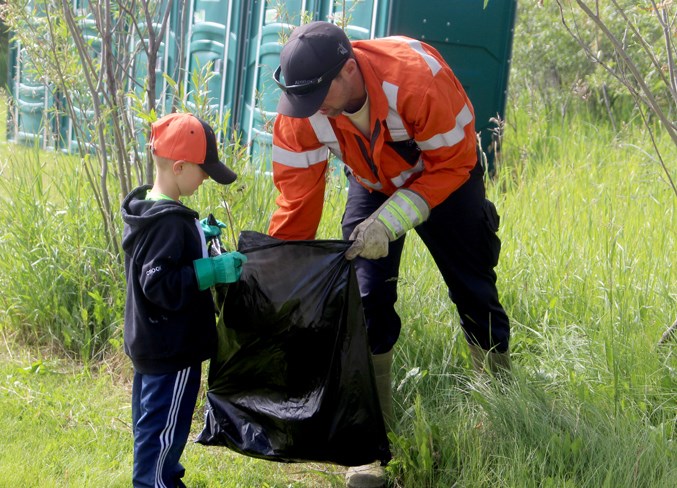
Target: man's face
{"x": 338, "y": 97}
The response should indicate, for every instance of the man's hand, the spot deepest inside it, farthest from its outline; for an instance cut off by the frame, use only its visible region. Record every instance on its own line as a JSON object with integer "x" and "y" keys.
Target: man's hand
{"x": 370, "y": 240}
{"x": 403, "y": 211}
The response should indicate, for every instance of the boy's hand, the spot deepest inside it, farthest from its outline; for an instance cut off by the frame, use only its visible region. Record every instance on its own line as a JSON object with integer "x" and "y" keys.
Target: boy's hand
{"x": 224, "y": 268}
{"x": 213, "y": 229}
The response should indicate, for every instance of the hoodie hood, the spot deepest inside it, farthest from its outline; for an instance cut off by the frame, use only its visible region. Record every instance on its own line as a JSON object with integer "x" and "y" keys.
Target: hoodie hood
{"x": 139, "y": 213}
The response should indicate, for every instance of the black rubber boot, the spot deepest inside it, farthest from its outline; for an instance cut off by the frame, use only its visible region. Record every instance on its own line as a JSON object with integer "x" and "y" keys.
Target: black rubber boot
{"x": 495, "y": 363}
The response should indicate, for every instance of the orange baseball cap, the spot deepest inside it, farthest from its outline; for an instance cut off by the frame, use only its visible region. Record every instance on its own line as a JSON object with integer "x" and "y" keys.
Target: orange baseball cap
{"x": 184, "y": 137}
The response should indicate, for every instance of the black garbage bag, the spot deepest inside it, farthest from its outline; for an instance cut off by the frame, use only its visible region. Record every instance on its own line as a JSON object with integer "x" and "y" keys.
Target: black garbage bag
{"x": 292, "y": 380}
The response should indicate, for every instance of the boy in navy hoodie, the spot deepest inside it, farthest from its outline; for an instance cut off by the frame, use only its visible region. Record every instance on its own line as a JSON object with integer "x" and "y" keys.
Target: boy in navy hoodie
{"x": 170, "y": 324}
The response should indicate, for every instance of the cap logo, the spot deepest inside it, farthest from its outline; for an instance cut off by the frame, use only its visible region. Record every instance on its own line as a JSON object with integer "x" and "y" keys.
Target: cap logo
{"x": 342, "y": 49}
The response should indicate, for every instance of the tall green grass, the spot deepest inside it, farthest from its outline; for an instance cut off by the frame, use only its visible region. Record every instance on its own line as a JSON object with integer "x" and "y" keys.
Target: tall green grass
{"x": 61, "y": 286}
{"x": 586, "y": 274}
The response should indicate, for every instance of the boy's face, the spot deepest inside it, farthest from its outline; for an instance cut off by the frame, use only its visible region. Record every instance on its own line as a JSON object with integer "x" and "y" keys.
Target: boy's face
{"x": 189, "y": 176}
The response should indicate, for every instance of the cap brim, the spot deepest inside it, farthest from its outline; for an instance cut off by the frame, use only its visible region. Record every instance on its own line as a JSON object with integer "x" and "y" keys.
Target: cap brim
{"x": 302, "y": 106}
{"x": 219, "y": 172}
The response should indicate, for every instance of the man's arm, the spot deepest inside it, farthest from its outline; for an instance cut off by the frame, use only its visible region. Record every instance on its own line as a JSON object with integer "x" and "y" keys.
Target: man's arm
{"x": 442, "y": 120}
{"x": 299, "y": 166}
{"x": 444, "y": 129}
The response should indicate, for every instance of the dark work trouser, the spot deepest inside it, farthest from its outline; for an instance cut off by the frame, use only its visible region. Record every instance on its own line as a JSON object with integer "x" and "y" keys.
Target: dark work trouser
{"x": 162, "y": 411}
{"x": 461, "y": 237}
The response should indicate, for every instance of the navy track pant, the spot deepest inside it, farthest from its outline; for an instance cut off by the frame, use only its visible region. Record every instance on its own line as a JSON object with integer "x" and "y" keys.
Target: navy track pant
{"x": 162, "y": 411}
{"x": 461, "y": 237}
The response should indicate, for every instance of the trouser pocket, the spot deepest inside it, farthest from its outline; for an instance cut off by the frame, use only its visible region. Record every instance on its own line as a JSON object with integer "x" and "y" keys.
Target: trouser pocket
{"x": 492, "y": 222}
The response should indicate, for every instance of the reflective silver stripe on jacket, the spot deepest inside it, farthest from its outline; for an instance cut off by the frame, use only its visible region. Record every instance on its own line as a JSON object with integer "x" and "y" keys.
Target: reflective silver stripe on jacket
{"x": 430, "y": 60}
{"x": 402, "y": 178}
{"x": 396, "y": 127}
{"x": 299, "y": 159}
{"x": 452, "y": 137}
{"x": 325, "y": 133}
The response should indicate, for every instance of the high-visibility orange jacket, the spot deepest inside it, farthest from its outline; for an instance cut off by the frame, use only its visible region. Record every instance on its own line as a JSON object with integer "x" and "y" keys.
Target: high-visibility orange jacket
{"x": 423, "y": 136}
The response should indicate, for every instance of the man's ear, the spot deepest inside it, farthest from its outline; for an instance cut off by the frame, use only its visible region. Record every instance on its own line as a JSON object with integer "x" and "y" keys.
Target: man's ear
{"x": 350, "y": 66}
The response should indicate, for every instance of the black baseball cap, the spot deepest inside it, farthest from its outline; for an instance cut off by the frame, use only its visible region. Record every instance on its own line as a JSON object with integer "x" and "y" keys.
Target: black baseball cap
{"x": 309, "y": 61}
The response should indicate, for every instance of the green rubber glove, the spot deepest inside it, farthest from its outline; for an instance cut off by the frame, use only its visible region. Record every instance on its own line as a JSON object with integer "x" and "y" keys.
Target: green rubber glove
{"x": 211, "y": 230}
{"x": 224, "y": 268}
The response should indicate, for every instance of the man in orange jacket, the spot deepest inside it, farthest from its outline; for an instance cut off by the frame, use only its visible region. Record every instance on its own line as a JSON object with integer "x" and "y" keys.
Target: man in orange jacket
{"x": 393, "y": 111}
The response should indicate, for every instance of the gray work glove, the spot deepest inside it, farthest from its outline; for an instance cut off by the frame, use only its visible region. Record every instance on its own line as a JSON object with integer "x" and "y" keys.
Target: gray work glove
{"x": 404, "y": 210}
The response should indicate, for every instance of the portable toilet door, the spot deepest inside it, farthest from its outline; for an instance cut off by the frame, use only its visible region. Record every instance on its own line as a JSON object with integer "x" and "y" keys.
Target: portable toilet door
{"x": 475, "y": 40}
{"x": 79, "y": 130}
{"x": 33, "y": 101}
{"x": 30, "y": 119}
{"x": 363, "y": 19}
{"x": 269, "y": 25}
{"x": 164, "y": 64}
{"x": 213, "y": 40}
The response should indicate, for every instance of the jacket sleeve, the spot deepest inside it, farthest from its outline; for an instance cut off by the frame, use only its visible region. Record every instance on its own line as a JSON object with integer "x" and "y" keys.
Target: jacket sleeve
{"x": 299, "y": 167}
{"x": 443, "y": 123}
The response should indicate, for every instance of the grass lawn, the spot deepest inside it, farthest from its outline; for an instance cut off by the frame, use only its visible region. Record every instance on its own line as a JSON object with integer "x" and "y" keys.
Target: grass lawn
{"x": 69, "y": 426}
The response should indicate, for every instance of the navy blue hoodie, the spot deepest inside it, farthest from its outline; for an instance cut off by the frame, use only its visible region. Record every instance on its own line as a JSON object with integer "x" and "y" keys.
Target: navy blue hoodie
{"x": 169, "y": 323}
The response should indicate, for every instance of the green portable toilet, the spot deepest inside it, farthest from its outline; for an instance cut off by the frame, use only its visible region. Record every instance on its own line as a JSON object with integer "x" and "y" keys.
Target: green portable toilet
{"x": 30, "y": 116}
{"x": 78, "y": 131}
{"x": 270, "y": 24}
{"x": 30, "y": 119}
{"x": 366, "y": 19}
{"x": 165, "y": 63}
{"x": 27, "y": 121}
{"x": 475, "y": 40}
{"x": 213, "y": 38}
